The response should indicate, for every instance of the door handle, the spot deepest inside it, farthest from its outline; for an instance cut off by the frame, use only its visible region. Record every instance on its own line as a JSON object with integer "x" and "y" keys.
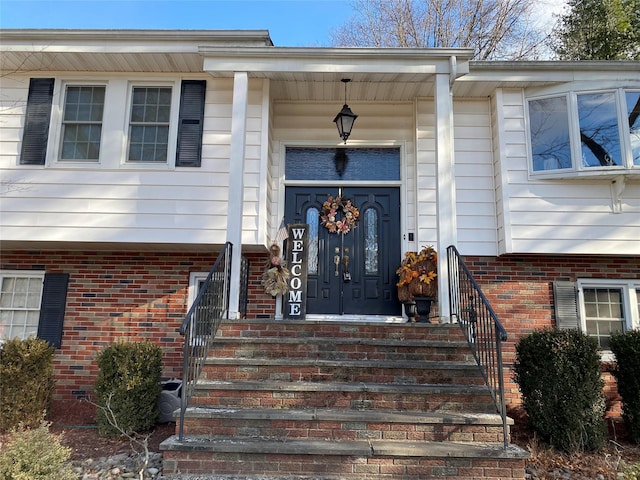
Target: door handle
{"x": 336, "y": 261}
{"x": 346, "y": 276}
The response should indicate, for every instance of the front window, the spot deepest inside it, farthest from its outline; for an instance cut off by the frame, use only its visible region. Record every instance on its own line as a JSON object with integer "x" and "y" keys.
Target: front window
{"x": 82, "y": 123}
{"x": 608, "y": 307}
{"x": 599, "y": 131}
{"x": 550, "y": 143}
{"x": 20, "y": 297}
{"x": 585, "y": 132}
{"x": 149, "y": 124}
{"x": 633, "y": 114}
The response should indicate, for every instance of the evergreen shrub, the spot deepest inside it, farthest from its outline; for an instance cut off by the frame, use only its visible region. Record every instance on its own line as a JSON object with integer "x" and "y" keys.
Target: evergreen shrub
{"x": 626, "y": 348}
{"x": 559, "y": 375}
{"x": 35, "y": 454}
{"x": 26, "y": 382}
{"x": 128, "y": 385}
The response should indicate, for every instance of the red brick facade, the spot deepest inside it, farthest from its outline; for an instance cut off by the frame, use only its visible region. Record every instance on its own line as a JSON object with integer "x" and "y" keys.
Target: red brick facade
{"x": 143, "y": 295}
{"x": 129, "y": 296}
{"x": 520, "y": 290}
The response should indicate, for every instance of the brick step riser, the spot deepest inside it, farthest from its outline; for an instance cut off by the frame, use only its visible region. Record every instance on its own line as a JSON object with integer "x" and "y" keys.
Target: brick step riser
{"x": 436, "y": 402}
{"x": 341, "y": 431}
{"x": 280, "y": 466}
{"x": 386, "y": 331}
{"x": 343, "y": 352}
{"x": 374, "y": 374}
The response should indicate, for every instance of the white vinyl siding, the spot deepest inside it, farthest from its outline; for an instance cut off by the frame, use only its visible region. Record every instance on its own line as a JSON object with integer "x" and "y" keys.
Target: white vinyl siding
{"x": 555, "y": 215}
{"x": 112, "y": 202}
{"x": 474, "y": 174}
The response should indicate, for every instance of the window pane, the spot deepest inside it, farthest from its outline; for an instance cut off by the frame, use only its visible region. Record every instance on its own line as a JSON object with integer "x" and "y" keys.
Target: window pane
{"x": 371, "y": 241}
{"x": 313, "y": 219}
{"x": 149, "y": 124}
{"x": 599, "y": 132}
{"x": 20, "y": 298}
{"x": 633, "y": 114}
{"x": 550, "y": 144}
{"x": 604, "y": 313}
{"x": 82, "y": 124}
{"x": 342, "y": 164}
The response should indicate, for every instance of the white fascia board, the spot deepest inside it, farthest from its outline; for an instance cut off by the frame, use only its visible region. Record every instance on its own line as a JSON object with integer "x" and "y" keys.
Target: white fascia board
{"x": 329, "y": 60}
{"x": 49, "y": 37}
{"x": 548, "y": 71}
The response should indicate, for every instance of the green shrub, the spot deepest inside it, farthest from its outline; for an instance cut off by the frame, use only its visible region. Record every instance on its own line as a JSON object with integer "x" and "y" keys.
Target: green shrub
{"x": 26, "y": 382}
{"x": 35, "y": 454}
{"x": 128, "y": 385}
{"x": 632, "y": 472}
{"x": 559, "y": 375}
{"x": 626, "y": 348}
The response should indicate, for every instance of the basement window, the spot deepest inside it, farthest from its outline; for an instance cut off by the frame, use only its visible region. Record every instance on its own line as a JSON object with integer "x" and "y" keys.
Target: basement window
{"x": 608, "y": 307}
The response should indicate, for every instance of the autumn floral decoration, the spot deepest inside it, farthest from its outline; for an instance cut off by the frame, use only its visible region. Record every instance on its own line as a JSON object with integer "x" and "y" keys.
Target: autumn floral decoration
{"x": 275, "y": 279}
{"x": 349, "y": 215}
{"x": 417, "y": 275}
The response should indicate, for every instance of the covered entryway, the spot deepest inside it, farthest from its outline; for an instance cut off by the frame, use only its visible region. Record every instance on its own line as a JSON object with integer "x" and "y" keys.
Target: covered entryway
{"x": 351, "y": 273}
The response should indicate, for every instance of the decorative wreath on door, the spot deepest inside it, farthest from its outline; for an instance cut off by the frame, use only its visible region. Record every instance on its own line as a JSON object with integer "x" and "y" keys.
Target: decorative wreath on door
{"x": 330, "y": 210}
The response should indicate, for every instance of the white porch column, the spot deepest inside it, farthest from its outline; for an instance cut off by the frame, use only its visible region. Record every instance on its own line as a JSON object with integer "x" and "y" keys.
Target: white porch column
{"x": 445, "y": 187}
{"x": 236, "y": 184}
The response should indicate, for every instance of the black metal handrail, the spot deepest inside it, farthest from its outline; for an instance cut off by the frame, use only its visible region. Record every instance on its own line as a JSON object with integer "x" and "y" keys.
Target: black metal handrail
{"x": 481, "y": 327}
{"x": 201, "y": 324}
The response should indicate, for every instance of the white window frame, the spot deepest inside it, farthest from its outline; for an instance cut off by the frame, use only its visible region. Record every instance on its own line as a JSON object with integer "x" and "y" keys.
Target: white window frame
{"x": 57, "y": 117}
{"x": 63, "y": 100}
{"x": 114, "y": 143}
{"x": 173, "y": 124}
{"x": 629, "y": 303}
{"x": 195, "y": 279}
{"x": 22, "y": 274}
{"x": 577, "y": 168}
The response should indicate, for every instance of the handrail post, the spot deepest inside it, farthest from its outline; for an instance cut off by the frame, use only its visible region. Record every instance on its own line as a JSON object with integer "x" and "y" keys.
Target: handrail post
{"x": 200, "y": 325}
{"x": 481, "y": 328}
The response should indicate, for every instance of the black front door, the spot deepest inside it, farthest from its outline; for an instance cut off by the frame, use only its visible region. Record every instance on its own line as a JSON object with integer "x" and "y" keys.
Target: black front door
{"x": 351, "y": 273}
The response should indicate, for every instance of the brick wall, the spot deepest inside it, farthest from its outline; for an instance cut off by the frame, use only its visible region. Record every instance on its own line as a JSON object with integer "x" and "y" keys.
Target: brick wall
{"x": 143, "y": 295}
{"x": 124, "y": 296}
{"x": 520, "y": 289}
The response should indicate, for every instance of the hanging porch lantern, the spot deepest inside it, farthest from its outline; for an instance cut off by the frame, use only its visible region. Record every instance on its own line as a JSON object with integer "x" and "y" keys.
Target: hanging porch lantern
{"x": 345, "y": 119}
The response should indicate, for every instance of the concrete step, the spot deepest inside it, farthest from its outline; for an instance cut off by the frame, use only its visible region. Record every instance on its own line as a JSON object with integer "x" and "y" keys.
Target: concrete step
{"x": 284, "y": 459}
{"x": 264, "y": 328}
{"x": 341, "y": 425}
{"x": 356, "y": 396}
{"x": 325, "y": 348}
{"x": 354, "y": 371}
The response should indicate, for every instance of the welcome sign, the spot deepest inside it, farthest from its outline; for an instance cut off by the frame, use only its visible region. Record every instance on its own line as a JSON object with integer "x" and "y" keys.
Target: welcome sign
{"x": 295, "y": 305}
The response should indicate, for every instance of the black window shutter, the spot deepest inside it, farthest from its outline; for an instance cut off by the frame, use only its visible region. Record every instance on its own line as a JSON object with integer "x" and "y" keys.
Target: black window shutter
{"x": 189, "y": 148}
{"x": 36, "y": 126}
{"x": 54, "y": 300}
{"x": 565, "y": 296}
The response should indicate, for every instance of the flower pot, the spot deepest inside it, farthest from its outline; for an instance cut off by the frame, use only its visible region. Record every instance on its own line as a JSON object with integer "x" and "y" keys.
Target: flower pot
{"x": 410, "y": 311}
{"x": 423, "y": 307}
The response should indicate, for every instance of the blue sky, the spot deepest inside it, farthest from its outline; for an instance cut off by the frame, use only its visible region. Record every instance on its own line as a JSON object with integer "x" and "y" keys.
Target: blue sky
{"x": 291, "y": 23}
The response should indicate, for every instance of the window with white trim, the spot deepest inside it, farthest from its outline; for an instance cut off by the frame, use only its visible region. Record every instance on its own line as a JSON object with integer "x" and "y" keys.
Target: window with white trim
{"x": 585, "y": 132}
{"x": 156, "y": 124}
{"x": 149, "y": 122}
{"x": 20, "y": 299}
{"x": 607, "y": 307}
{"x": 82, "y": 123}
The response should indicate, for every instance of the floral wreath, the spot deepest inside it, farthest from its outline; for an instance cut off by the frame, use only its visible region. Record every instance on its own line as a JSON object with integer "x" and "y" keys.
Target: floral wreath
{"x": 330, "y": 209}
